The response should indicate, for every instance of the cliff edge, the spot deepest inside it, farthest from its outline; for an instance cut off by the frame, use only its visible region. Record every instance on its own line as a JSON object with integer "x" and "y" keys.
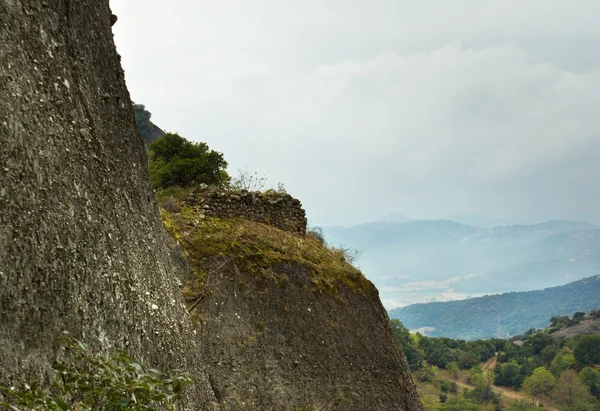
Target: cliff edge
{"x": 82, "y": 248}
{"x": 286, "y": 322}
{"x": 268, "y": 319}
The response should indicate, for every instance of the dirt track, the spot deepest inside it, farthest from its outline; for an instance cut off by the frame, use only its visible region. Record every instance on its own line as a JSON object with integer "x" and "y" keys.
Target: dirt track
{"x": 502, "y": 391}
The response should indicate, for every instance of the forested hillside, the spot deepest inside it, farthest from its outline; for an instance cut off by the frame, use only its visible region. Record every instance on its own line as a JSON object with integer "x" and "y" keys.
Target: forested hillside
{"x": 501, "y": 315}
{"x": 508, "y": 374}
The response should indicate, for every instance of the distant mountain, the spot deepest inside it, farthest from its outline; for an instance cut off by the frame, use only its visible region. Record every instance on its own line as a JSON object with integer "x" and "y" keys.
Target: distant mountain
{"x": 486, "y": 221}
{"x": 395, "y": 218}
{"x": 441, "y": 260}
{"x": 502, "y": 315}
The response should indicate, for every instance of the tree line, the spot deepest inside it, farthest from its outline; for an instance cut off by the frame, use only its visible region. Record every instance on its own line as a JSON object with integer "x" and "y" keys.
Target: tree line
{"x": 562, "y": 373}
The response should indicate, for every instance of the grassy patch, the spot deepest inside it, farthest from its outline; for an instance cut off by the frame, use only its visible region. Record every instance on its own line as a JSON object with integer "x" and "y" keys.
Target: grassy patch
{"x": 256, "y": 248}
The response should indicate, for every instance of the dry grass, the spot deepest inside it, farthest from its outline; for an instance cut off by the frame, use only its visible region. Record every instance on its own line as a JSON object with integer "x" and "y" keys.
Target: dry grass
{"x": 257, "y": 247}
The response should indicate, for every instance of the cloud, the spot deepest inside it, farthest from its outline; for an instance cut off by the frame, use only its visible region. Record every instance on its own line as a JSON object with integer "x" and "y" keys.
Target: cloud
{"x": 425, "y": 108}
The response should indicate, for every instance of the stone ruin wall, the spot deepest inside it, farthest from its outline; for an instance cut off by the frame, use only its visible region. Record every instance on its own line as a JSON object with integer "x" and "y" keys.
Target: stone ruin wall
{"x": 277, "y": 209}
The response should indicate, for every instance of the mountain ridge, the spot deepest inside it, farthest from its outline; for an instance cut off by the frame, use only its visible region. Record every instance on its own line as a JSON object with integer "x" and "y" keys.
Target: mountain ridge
{"x": 413, "y": 262}
{"x": 501, "y": 315}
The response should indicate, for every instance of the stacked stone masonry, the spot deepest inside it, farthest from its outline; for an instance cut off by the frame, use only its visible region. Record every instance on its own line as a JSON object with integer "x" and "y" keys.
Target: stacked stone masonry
{"x": 274, "y": 208}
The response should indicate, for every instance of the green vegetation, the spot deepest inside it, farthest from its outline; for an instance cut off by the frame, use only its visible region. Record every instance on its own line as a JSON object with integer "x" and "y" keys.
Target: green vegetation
{"x": 142, "y": 119}
{"x": 86, "y": 382}
{"x": 446, "y": 353}
{"x": 503, "y": 315}
{"x": 256, "y": 248}
{"x": 564, "y": 373}
{"x": 587, "y": 350}
{"x": 177, "y": 162}
{"x": 541, "y": 382}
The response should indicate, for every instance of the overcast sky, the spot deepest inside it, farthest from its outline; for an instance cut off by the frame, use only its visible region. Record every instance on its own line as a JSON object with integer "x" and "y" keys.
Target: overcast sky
{"x": 365, "y": 108}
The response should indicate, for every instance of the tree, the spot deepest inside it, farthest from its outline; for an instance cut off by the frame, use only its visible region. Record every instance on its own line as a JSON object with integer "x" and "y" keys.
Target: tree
{"x": 509, "y": 375}
{"x": 430, "y": 402}
{"x": 410, "y": 345}
{"x": 572, "y": 393}
{"x": 591, "y": 379}
{"x": 427, "y": 373}
{"x": 587, "y": 350}
{"x": 539, "y": 342}
{"x": 452, "y": 368}
{"x": 177, "y": 162}
{"x": 541, "y": 382}
{"x": 482, "y": 381}
{"x": 142, "y": 116}
{"x": 562, "y": 361}
{"x": 554, "y": 321}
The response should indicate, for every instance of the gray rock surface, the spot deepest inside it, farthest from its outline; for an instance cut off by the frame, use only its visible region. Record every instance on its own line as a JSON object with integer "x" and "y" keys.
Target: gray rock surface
{"x": 82, "y": 248}
{"x": 280, "y": 345}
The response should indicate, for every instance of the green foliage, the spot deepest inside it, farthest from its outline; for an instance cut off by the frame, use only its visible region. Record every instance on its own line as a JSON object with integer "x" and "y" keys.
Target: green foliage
{"x": 410, "y": 344}
{"x": 541, "y": 382}
{"x": 430, "y": 402}
{"x": 427, "y": 373}
{"x": 522, "y": 406}
{"x": 528, "y": 364}
{"x": 452, "y": 368}
{"x": 177, "y": 162}
{"x": 442, "y": 352}
{"x": 563, "y": 360}
{"x": 509, "y": 375}
{"x": 464, "y": 404}
{"x": 587, "y": 350}
{"x": 142, "y": 119}
{"x": 87, "y": 382}
{"x": 572, "y": 394}
{"x": 591, "y": 379}
{"x": 255, "y": 248}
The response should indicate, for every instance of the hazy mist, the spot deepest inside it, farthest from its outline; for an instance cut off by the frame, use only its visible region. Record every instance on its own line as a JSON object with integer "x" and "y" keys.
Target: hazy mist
{"x": 362, "y": 109}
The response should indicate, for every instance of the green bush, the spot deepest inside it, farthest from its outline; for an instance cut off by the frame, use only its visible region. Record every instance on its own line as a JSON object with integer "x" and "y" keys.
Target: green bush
{"x": 142, "y": 119}
{"x": 89, "y": 382}
{"x": 177, "y": 162}
{"x": 587, "y": 350}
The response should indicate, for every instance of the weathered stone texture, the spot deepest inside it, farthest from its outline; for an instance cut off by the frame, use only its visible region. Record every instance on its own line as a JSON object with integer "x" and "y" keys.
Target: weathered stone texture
{"x": 274, "y": 342}
{"x": 82, "y": 248}
{"x": 277, "y": 209}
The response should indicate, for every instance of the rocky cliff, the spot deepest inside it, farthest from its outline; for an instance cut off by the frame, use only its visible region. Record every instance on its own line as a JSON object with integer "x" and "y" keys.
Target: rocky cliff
{"x": 285, "y": 321}
{"x": 81, "y": 244}
{"x": 276, "y": 321}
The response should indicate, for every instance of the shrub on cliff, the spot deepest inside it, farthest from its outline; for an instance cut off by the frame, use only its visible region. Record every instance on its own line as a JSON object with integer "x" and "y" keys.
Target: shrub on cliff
{"x": 90, "y": 381}
{"x": 177, "y": 162}
{"x": 142, "y": 119}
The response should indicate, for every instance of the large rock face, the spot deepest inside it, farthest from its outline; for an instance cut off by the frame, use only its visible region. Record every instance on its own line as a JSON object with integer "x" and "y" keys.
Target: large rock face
{"x": 286, "y": 322}
{"x": 82, "y": 248}
{"x": 278, "y": 345}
